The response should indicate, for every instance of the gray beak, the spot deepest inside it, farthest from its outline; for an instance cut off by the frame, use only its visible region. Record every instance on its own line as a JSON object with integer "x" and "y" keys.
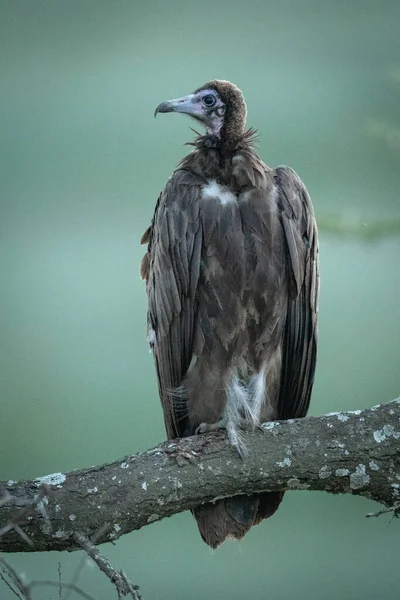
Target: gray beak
{"x": 182, "y": 105}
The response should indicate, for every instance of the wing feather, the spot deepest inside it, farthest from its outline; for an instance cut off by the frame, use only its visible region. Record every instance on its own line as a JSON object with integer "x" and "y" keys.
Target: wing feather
{"x": 174, "y": 258}
{"x": 300, "y": 338}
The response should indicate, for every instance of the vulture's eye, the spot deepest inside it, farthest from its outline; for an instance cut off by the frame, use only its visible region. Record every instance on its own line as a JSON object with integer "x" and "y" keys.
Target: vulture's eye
{"x": 209, "y": 100}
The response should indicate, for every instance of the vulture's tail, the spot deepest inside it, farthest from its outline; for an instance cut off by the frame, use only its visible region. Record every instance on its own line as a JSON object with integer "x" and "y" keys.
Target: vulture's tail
{"x": 233, "y": 517}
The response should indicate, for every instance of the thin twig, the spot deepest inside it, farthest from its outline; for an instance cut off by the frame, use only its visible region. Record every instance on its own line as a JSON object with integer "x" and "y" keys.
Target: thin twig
{"x": 68, "y": 586}
{"x": 16, "y": 580}
{"x": 25, "y": 590}
{"x": 29, "y": 509}
{"x": 59, "y": 582}
{"x": 121, "y": 581}
{"x": 395, "y": 509}
{"x": 8, "y": 584}
{"x": 23, "y": 535}
{"x": 82, "y": 562}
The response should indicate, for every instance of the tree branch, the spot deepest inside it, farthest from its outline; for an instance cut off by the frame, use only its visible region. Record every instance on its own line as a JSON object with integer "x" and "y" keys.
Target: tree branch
{"x": 356, "y": 452}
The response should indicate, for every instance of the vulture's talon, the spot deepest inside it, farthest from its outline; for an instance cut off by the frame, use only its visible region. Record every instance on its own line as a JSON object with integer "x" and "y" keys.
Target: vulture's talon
{"x": 182, "y": 458}
{"x": 241, "y": 449}
{"x": 236, "y": 441}
{"x": 207, "y": 427}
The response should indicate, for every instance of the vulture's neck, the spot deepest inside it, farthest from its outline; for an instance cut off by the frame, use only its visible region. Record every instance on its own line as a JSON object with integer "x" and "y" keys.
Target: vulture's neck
{"x": 219, "y": 158}
{"x": 232, "y": 130}
{"x": 225, "y": 135}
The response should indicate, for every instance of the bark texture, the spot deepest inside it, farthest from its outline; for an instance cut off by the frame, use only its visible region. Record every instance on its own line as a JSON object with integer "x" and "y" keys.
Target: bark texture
{"x": 355, "y": 452}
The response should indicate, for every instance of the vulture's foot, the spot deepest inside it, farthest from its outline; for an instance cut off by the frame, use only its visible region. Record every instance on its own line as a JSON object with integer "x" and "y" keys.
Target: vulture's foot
{"x": 207, "y": 427}
{"x": 182, "y": 458}
{"x": 236, "y": 439}
{"x": 232, "y": 429}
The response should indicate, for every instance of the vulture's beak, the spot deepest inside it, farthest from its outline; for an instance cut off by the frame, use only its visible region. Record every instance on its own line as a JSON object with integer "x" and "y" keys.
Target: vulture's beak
{"x": 185, "y": 104}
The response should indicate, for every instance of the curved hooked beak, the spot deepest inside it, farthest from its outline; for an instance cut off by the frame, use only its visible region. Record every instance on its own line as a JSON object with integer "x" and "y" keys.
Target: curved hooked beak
{"x": 181, "y": 105}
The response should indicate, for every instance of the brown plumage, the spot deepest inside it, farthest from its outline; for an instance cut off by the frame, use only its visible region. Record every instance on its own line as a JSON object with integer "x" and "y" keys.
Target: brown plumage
{"x": 232, "y": 283}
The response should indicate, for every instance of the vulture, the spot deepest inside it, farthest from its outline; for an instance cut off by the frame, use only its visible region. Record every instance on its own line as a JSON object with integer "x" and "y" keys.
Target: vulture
{"x": 231, "y": 272}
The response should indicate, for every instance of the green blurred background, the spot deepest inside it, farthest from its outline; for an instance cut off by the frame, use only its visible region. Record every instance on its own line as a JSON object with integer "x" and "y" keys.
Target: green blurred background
{"x": 82, "y": 164}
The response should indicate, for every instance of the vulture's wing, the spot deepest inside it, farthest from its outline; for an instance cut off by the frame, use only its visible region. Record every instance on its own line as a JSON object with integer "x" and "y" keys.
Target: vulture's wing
{"x": 173, "y": 262}
{"x": 300, "y": 339}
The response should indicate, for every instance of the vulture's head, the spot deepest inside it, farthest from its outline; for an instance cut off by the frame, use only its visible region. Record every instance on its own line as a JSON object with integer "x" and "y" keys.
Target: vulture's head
{"x": 219, "y": 105}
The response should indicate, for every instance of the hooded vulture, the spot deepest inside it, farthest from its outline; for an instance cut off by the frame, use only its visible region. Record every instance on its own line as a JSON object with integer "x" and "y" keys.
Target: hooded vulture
{"x": 231, "y": 273}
